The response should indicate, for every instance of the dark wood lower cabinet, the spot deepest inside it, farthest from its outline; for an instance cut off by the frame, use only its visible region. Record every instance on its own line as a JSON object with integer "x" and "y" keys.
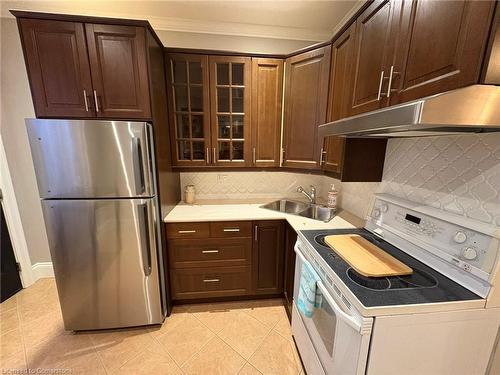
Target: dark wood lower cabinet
{"x": 267, "y": 260}
{"x": 289, "y": 273}
{"x": 226, "y": 259}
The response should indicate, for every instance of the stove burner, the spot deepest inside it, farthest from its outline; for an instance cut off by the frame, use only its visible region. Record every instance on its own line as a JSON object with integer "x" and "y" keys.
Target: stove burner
{"x": 418, "y": 279}
{"x": 377, "y": 283}
{"x": 320, "y": 240}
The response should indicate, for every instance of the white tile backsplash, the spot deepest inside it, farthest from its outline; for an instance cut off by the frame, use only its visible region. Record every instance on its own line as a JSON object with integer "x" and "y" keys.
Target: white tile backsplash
{"x": 460, "y": 174}
{"x": 252, "y": 185}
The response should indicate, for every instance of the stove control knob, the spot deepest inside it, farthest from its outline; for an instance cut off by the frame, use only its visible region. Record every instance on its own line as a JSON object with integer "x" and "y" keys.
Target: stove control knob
{"x": 384, "y": 207}
{"x": 460, "y": 237}
{"x": 469, "y": 253}
{"x": 376, "y": 212}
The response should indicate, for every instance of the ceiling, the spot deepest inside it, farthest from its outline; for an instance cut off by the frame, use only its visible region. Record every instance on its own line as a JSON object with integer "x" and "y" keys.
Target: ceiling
{"x": 298, "y": 20}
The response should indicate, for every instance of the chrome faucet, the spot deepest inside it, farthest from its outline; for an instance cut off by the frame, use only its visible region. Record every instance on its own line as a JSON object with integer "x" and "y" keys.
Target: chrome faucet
{"x": 311, "y": 196}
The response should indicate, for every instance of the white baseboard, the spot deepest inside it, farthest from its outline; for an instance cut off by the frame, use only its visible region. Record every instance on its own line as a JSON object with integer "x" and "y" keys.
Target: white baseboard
{"x": 42, "y": 269}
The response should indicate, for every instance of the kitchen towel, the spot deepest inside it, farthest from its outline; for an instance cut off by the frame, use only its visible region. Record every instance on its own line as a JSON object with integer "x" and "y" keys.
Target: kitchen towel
{"x": 308, "y": 299}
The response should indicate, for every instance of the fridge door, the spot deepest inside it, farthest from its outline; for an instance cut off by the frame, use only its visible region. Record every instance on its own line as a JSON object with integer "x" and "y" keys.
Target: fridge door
{"x": 91, "y": 158}
{"x": 104, "y": 254}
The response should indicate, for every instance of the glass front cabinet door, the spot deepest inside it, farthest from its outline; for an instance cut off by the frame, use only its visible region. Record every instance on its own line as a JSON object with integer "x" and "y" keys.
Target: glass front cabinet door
{"x": 230, "y": 93}
{"x": 189, "y": 109}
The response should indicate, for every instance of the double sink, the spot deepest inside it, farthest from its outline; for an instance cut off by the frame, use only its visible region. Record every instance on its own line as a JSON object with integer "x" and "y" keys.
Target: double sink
{"x": 309, "y": 210}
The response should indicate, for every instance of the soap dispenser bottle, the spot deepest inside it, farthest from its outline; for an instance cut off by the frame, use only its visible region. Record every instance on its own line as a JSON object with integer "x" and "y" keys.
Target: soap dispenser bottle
{"x": 332, "y": 197}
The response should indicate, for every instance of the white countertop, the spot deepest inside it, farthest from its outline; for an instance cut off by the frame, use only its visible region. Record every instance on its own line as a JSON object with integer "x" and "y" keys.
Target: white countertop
{"x": 251, "y": 211}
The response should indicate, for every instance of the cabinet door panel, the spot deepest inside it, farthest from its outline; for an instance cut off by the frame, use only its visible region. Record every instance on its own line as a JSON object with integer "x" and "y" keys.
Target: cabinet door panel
{"x": 306, "y": 91}
{"x": 267, "y": 86}
{"x": 441, "y": 48}
{"x": 338, "y": 103}
{"x": 58, "y": 68}
{"x": 230, "y": 95}
{"x": 372, "y": 49}
{"x": 119, "y": 70}
{"x": 268, "y": 257}
{"x": 189, "y": 109}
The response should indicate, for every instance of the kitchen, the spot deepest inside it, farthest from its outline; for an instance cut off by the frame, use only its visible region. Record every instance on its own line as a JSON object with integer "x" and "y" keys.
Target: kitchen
{"x": 386, "y": 106}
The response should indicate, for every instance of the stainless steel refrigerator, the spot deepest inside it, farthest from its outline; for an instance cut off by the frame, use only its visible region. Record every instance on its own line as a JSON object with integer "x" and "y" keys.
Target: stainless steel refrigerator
{"x": 97, "y": 184}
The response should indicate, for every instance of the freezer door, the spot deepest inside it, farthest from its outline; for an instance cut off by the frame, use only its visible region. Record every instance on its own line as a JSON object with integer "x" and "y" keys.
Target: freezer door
{"x": 90, "y": 159}
{"x": 104, "y": 254}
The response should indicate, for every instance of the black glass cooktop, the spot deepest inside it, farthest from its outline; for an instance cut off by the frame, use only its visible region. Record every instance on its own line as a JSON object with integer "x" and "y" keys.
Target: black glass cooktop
{"x": 424, "y": 285}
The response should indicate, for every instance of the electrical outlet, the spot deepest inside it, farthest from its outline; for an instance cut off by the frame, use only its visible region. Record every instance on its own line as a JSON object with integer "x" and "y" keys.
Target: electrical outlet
{"x": 221, "y": 178}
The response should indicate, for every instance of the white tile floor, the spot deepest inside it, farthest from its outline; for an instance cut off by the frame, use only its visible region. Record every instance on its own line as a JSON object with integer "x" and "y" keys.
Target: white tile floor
{"x": 250, "y": 337}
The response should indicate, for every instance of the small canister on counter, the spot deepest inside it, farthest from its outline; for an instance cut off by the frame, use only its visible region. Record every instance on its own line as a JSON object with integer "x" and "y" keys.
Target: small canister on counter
{"x": 189, "y": 193}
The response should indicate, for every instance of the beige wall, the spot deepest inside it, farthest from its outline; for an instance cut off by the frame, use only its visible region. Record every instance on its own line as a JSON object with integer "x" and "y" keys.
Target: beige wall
{"x": 16, "y": 105}
{"x": 231, "y": 42}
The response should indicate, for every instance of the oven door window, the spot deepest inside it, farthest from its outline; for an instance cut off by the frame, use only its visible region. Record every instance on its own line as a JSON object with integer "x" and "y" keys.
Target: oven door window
{"x": 325, "y": 322}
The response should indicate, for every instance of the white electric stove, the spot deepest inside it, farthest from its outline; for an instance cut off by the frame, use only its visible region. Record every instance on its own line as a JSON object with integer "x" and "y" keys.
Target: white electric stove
{"x": 431, "y": 322}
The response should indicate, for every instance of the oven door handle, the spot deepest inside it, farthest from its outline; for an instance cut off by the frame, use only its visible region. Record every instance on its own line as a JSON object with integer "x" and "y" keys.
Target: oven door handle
{"x": 334, "y": 305}
{"x": 299, "y": 254}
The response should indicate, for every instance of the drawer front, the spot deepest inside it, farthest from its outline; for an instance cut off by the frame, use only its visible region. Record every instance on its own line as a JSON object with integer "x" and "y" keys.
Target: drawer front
{"x": 188, "y": 230}
{"x": 228, "y": 229}
{"x": 210, "y": 282}
{"x": 185, "y": 253}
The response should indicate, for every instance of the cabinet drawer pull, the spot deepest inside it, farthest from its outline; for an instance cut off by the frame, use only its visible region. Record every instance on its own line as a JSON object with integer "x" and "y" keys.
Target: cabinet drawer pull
{"x": 255, "y": 233}
{"x": 208, "y": 156}
{"x": 85, "y": 99}
{"x": 253, "y": 157}
{"x": 231, "y": 229}
{"x": 210, "y": 251}
{"x": 96, "y": 103}
{"x": 380, "y": 85}
{"x": 321, "y": 157}
{"x": 391, "y": 74}
{"x": 211, "y": 280}
{"x": 214, "y": 160}
{"x": 186, "y": 231}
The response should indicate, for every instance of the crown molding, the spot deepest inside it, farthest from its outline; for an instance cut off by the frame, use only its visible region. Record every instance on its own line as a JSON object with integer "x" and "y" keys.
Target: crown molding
{"x": 238, "y": 29}
{"x": 349, "y": 15}
{"x": 198, "y": 26}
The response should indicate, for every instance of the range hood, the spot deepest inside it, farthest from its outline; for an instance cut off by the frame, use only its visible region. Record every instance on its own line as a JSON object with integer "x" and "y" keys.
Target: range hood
{"x": 472, "y": 109}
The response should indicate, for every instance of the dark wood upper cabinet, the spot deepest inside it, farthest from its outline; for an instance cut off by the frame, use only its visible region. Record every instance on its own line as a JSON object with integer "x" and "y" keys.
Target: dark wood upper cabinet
{"x": 373, "y": 48}
{"x": 267, "y": 93}
{"x": 441, "y": 47}
{"x": 338, "y": 99}
{"x": 119, "y": 68}
{"x": 306, "y": 97}
{"x": 340, "y": 75}
{"x": 58, "y": 67}
{"x": 268, "y": 257}
{"x": 230, "y": 95}
{"x": 86, "y": 70}
{"x": 189, "y": 109}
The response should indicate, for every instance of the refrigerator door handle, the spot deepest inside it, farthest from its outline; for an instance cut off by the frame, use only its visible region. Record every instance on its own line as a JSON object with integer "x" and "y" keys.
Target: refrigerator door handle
{"x": 140, "y": 186}
{"x": 145, "y": 240}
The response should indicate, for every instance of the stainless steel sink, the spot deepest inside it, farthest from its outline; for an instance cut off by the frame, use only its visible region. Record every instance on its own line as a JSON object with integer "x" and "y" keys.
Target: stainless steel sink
{"x": 284, "y": 205}
{"x": 318, "y": 213}
{"x": 309, "y": 210}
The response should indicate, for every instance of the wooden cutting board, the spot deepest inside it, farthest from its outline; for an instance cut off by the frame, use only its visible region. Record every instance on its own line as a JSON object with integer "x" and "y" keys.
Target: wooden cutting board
{"x": 366, "y": 258}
